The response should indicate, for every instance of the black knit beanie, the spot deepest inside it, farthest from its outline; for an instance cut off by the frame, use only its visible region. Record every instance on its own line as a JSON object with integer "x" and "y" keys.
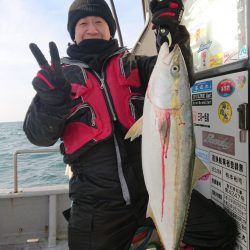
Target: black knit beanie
{"x": 83, "y": 8}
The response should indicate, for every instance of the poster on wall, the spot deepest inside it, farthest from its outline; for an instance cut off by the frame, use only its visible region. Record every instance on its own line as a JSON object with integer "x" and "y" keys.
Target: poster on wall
{"x": 216, "y": 39}
{"x": 222, "y": 144}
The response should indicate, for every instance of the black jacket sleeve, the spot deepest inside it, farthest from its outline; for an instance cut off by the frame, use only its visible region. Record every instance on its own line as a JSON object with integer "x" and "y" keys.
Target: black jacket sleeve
{"x": 44, "y": 124}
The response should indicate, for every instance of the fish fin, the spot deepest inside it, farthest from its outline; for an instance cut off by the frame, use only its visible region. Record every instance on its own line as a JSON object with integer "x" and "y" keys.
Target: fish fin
{"x": 200, "y": 170}
{"x": 135, "y": 131}
{"x": 68, "y": 171}
{"x": 150, "y": 212}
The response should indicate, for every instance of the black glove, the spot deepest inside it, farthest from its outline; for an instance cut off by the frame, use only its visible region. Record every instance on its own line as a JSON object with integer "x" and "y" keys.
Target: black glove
{"x": 166, "y": 13}
{"x": 50, "y": 83}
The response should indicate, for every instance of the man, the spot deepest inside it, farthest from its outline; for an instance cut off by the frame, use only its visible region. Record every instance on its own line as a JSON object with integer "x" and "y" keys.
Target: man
{"x": 90, "y": 102}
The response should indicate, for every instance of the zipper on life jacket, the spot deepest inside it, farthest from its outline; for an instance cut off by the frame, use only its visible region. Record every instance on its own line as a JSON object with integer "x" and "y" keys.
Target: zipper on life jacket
{"x": 84, "y": 106}
{"x": 132, "y": 106}
{"x": 124, "y": 185}
{"x": 104, "y": 88}
{"x": 103, "y": 85}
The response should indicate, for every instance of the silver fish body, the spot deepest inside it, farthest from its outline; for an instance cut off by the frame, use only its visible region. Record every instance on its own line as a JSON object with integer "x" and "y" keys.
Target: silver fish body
{"x": 168, "y": 146}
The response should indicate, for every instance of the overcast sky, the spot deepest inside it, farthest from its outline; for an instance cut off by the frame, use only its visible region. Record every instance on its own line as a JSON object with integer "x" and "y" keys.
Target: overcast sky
{"x": 26, "y": 21}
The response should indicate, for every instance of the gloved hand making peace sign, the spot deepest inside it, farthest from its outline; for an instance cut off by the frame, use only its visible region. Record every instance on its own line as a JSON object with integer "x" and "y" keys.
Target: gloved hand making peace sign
{"x": 50, "y": 83}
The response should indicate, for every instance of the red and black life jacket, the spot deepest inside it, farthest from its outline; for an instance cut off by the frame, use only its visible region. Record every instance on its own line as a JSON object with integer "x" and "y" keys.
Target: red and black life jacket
{"x": 116, "y": 95}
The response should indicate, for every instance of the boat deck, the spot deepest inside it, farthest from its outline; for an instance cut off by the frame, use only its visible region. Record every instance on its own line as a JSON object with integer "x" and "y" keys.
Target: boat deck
{"x": 32, "y": 218}
{"x": 60, "y": 245}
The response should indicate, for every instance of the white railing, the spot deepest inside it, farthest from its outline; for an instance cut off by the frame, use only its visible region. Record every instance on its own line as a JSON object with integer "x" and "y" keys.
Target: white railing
{"x": 27, "y": 151}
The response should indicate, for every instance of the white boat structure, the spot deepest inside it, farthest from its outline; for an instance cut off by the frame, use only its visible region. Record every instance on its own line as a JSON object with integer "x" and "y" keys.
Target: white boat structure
{"x": 31, "y": 218}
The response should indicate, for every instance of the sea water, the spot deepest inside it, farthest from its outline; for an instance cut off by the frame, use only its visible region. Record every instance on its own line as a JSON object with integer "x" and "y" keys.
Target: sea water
{"x": 34, "y": 169}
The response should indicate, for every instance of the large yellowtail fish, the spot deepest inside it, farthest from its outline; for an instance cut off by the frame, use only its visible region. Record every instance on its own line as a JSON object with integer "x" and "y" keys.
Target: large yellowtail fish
{"x": 168, "y": 146}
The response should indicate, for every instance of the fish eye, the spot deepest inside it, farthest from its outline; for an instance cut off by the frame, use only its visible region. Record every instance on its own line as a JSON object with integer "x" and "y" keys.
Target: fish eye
{"x": 175, "y": 69}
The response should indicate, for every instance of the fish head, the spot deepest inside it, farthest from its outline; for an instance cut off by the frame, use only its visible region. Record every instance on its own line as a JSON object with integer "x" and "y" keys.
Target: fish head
{"x": 169, "y": 78}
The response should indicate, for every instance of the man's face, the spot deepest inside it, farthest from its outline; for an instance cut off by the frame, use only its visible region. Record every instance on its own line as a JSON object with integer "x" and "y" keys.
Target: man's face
{"x": 91, "y": 27}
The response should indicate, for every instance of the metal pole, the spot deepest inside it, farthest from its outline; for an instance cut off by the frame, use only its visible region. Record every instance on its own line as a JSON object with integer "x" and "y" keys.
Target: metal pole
{"x": 117, "y": 22}
{"x": 15, "y": 172}
{"x": 52, "y": 221}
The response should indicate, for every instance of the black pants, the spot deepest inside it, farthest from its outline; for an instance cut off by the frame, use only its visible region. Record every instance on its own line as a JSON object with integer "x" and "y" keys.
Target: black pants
{"x": 105, "y": 226}
{"x": 209, "y": 227}
{"x": 111, "y": 227}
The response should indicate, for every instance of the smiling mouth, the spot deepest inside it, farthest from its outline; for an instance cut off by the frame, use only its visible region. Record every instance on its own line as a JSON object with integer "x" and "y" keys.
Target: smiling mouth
{"x": 92, "y": 36}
